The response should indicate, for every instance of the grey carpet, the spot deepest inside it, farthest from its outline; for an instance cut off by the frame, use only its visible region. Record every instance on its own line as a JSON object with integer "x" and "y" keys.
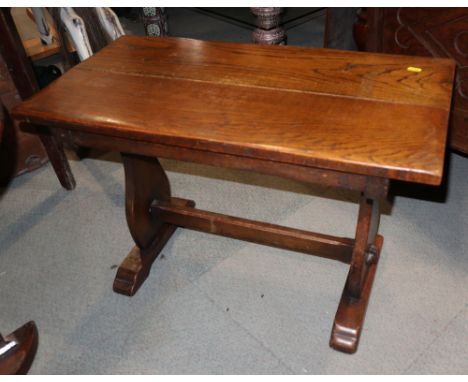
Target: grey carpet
{"x": 215, "y": 305}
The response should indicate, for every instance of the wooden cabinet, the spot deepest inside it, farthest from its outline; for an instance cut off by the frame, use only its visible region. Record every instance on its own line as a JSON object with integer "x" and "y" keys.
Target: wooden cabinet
{"x": 438, "y": 32}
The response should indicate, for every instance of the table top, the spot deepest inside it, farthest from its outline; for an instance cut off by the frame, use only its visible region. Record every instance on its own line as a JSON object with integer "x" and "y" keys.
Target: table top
{"x": 372, "y": 114}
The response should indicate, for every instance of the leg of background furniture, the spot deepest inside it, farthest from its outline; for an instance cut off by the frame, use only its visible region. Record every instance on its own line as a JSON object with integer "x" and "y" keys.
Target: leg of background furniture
{"x": 353, "y": 304}
{"x": 268, "y": 31}
{"x": 21, "y": 72}
{"x": 146, "y": 183}
{"x": 17, "y": 350}
{"x": 58, "y": 159}
{"x": 155, "y": 21}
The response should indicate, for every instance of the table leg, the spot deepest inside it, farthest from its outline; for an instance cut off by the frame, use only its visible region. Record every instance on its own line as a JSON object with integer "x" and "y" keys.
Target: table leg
{"x": 351, "y": 311}
{"x": 58, "y": 159}
{"x": 146, "y": 184}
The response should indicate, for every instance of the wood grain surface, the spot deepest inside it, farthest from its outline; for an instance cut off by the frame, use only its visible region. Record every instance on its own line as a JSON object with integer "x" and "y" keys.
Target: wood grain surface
{"x": 347, "y": 111}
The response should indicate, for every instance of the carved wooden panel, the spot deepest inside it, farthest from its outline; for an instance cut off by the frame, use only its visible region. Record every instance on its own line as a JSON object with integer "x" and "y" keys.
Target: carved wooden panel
{"x": 439, "y": 32}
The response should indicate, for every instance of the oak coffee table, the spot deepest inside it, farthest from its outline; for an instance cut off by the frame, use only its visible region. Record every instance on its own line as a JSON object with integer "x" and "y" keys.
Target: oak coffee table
{"x": 344, "y": 119}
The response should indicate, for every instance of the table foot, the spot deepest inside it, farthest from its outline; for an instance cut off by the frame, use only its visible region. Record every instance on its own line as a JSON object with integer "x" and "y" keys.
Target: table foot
{"x": 137, "y": 265}
{"x": 17, "y": 350}
{"x": 351, "y": 311}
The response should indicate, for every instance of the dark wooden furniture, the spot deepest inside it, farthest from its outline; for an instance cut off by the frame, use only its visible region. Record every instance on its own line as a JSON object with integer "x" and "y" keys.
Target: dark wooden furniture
{"x": 20, "y": 83}
{"x": 343, "y": 119}
{"x": 20, "y": 152}
{"x": 17, "y": 350}
{"x": 438, "y": 32}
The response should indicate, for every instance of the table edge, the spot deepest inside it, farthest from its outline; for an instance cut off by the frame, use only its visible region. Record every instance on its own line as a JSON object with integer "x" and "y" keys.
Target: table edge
{"x": 433, "y": 178}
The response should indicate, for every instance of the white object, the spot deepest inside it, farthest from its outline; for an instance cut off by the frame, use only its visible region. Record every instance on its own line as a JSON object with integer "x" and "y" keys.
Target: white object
{"x": 76, "y": 30}
{"x": 110, "y": 23}
{"x": 42, "y": 25}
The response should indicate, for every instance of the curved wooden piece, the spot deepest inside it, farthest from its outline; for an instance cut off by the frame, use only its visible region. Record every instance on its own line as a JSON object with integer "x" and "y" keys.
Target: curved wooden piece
{"x": 17, "y": 350}
{"x": 351, "y": 311}
{"x": 146, "y": 184}
{"x": 366, "y": 230}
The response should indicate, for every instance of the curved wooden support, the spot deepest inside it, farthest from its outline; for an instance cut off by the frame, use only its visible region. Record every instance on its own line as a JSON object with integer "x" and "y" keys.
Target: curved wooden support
{"x": 366, "y": 230}
{"x": 351, "y": 311}
{"x": 146, "y": 184}
{"x": 17, "y": 350}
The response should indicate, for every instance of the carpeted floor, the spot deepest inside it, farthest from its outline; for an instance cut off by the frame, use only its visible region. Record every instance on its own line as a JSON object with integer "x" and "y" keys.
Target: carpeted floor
{"x": 213, "y": 305}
